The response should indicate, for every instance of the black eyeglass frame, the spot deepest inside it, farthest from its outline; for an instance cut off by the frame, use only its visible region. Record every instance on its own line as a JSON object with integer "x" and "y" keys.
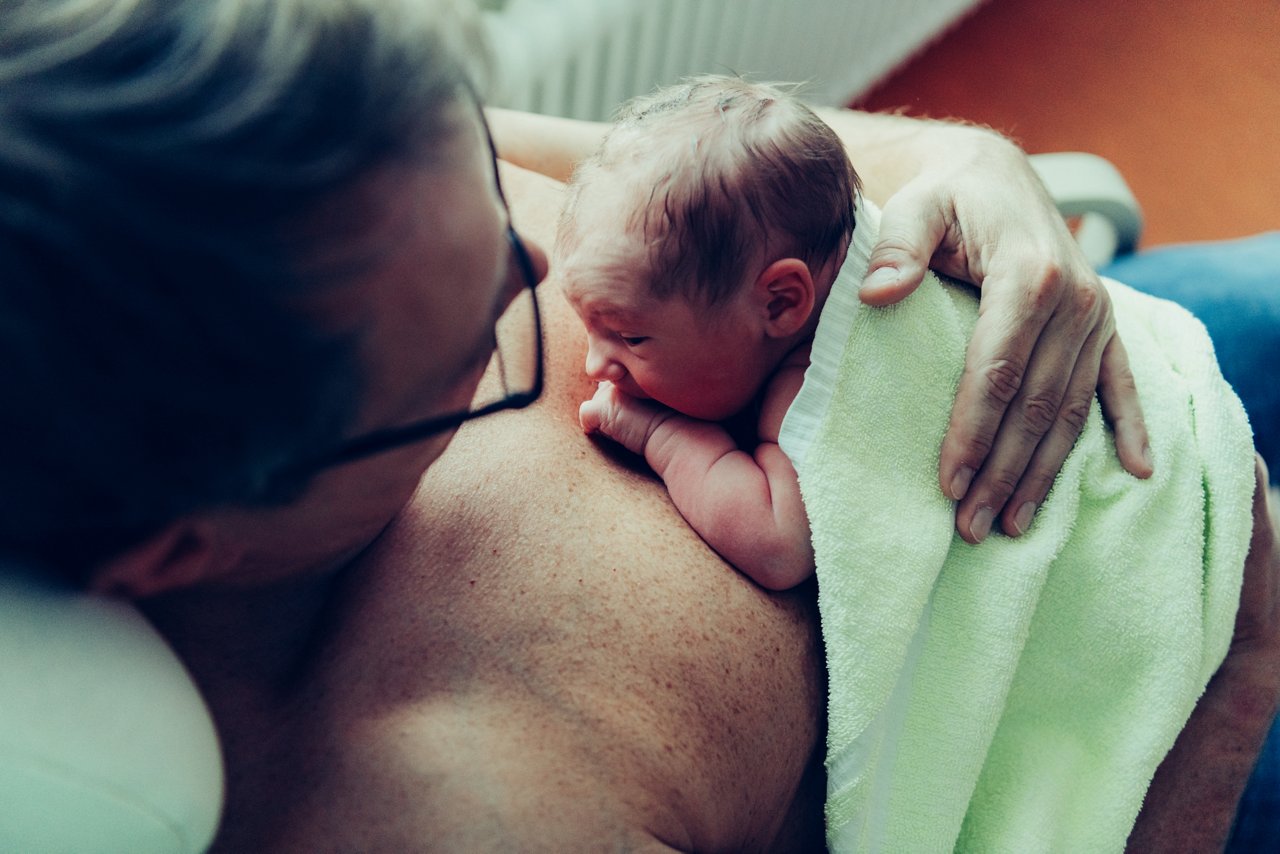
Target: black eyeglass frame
{"x": 391, "y": 438}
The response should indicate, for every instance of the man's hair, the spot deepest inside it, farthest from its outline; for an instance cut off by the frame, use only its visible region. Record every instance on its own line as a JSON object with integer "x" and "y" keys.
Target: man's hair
{"x": 157, "y": 158}
{"x": 729, "y": 172}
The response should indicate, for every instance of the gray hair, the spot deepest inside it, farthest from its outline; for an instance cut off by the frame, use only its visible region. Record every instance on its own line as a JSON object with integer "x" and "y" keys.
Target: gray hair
{"x": 156, "y": 157}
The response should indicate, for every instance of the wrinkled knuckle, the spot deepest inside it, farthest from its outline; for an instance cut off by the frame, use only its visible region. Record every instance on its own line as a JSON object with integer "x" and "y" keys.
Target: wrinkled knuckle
{"x": 972, "y": 443}
{"x": 1100, "y": 304}
{"x": 1105, "y": 323}
{"x": 891, "y": 248}
{"x": 1124, "y": 379}
{"x": 1002, "y": 379}
{"x": 980, "y": 447}
{"x": 1001, "y": 485}
{"x": 1046, "y": 286}
{"x": 1039, "y": 411}
{"x": 1036, "y": 485}
{"x": 1074, "y": 414}
{"x": 1088, "y": 302}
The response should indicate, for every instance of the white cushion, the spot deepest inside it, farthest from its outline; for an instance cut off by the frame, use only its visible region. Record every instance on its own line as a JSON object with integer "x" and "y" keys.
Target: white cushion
{"x": 105, "y": 743}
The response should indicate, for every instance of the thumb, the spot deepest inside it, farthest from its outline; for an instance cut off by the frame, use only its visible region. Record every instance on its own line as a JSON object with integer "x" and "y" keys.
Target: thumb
{"x": 591, "y": 412}
{"x": 587, "y": 416}
{"x": 910, "y": 232}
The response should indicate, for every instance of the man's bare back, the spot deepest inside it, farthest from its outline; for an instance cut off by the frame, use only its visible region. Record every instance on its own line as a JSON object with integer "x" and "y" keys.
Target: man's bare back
{"x": 540, "y": 655}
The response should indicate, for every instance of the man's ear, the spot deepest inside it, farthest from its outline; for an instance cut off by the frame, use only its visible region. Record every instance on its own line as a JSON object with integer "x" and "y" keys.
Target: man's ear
{"x": 178, "y": 555}
{"x": 785, "y": 294}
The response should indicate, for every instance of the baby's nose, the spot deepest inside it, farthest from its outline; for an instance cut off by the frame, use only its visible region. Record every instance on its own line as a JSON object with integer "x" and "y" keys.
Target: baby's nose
{"x": 599, "y": 366}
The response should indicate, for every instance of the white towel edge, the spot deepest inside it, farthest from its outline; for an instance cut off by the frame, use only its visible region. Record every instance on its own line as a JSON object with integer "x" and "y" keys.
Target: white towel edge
{"x": 808, "y": 411}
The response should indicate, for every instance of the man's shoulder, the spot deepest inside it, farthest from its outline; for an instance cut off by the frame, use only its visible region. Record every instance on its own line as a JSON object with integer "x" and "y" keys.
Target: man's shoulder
{"x": 449, "y": 773}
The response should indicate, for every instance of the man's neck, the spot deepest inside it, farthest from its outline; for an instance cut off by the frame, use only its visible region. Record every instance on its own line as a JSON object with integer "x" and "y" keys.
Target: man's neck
{"x": 245, "y": 636}
{"x": 252, "y": 652}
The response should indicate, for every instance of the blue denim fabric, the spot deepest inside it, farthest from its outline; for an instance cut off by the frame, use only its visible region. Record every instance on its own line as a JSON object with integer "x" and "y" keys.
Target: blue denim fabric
{"x": 1257, "y": 827}
{"x": 1234, "y": 288}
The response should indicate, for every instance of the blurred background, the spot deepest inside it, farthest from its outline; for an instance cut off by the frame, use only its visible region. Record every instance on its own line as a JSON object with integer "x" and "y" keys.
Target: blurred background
{"x": 1183, "y": 96}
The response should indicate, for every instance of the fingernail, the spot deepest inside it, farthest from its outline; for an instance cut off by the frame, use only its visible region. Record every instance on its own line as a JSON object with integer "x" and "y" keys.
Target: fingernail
{"x": 960, "y": 482}
{"x": 1147, "y": 458}
{"x": 981, "y": 525}
{"x": 881, "y": 277}
{"x": 1022, "y": 519}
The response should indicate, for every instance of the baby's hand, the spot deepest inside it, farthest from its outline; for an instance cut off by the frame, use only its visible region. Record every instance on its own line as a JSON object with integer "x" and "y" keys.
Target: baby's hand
{"x": 622, "y": 418}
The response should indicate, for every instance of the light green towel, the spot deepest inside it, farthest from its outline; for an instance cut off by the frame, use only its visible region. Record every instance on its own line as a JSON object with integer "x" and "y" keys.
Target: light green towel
{"x": 1018, "y": 695}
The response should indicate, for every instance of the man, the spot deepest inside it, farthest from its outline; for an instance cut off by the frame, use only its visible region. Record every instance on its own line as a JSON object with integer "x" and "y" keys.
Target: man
{"x": 258, "y": 248}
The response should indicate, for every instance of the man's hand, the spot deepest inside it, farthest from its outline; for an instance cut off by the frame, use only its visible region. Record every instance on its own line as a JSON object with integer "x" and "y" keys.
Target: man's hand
{"x": 1045, "y": 337}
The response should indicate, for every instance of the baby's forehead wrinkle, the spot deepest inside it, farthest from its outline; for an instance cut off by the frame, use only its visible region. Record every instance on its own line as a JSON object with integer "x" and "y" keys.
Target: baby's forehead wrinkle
{"x": 609, "y": 304}
{"x": 602, "y": 268}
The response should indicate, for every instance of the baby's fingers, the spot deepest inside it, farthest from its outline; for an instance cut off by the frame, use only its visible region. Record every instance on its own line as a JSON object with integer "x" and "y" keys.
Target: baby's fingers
{"x": 592, "y": 413}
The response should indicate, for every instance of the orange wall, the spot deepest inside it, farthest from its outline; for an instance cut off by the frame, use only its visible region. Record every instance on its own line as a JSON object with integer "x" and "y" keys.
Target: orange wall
{"x": 1182, "y": 95}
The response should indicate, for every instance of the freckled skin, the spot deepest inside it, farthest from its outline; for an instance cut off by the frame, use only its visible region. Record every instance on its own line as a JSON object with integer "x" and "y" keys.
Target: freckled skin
{"x": 541, "y": 654}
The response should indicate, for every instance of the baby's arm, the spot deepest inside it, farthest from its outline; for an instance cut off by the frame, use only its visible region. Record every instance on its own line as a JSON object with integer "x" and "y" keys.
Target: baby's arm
{"x": 747, "y": 507}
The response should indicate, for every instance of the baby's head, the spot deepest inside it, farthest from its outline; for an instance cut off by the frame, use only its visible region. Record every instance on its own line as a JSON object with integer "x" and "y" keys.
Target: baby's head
{"x": 699, "y": 241}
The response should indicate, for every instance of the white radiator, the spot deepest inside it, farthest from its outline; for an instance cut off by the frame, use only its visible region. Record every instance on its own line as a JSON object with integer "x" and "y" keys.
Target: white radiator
{"x": 581, "y": 58}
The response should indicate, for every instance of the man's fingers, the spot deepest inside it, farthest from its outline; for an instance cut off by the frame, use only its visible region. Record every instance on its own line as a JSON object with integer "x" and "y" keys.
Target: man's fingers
{"x": 1022, "y": 425}
{"x": 1053, "y": 449}
{"x": 901, "y": 256}
{"x": 995, "y": 368}
{"x": 1121, "y": 407}
{"x": 1043, "y": 419}
{"x": 1046, "y": 406}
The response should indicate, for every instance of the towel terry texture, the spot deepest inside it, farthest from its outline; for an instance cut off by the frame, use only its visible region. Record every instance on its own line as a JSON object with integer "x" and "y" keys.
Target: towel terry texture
{"x": 1017, "y": 695}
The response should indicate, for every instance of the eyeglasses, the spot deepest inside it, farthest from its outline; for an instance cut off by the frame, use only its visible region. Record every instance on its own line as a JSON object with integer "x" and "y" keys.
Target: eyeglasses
{"x": 517, "y": 363}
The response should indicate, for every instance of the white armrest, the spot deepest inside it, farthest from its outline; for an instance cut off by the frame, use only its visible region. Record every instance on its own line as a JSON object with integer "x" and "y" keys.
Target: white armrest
{"x": 1090, "y": 187}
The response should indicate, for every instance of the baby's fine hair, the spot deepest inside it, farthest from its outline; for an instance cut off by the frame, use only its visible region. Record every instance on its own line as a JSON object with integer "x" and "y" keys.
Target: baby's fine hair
{"x": 737, "y": 171}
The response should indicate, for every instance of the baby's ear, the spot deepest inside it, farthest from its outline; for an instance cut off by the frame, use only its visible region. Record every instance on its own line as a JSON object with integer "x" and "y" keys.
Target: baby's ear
{"x": 785, "y": 295}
